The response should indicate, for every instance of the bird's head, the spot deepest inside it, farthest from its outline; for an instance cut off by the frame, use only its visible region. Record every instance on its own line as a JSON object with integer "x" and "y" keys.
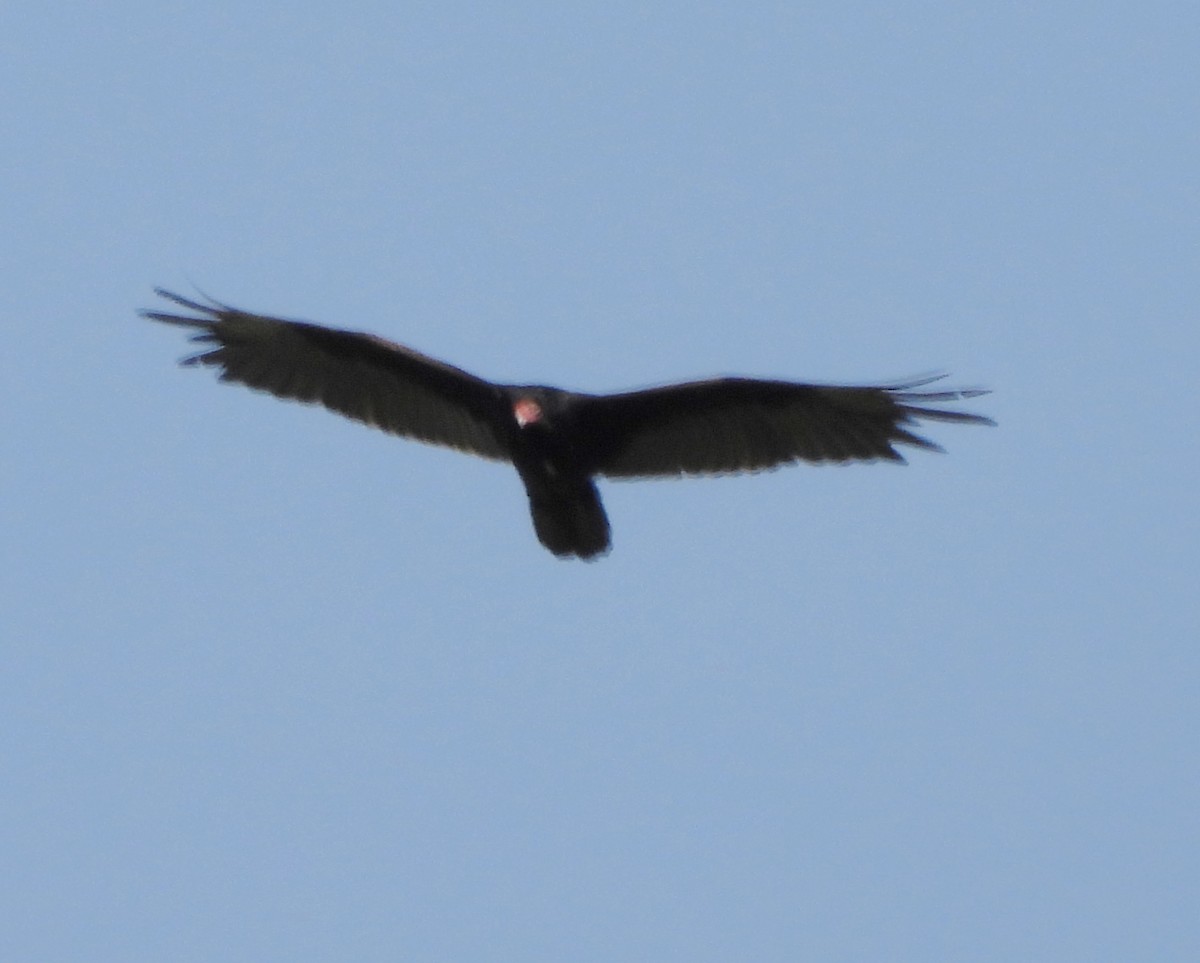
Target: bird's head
{"x": 538, "y": 409}
{"x": 527, "y": 411}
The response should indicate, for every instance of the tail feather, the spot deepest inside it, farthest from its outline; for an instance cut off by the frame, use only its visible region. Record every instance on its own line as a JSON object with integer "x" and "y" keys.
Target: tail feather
{"x": 570, "y": 522}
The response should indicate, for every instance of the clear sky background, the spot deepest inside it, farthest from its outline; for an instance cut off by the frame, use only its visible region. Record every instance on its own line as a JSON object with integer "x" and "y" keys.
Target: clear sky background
{"x": 276, "y": 687}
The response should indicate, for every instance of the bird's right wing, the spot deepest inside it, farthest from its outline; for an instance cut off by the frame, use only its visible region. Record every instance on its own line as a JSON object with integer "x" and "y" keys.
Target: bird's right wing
{"x": 740, "y": 424}
{"x": 361, "y": 376}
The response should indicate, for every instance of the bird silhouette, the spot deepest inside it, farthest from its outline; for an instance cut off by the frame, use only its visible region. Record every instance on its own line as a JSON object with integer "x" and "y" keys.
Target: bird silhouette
{"x": 561, "y": 441}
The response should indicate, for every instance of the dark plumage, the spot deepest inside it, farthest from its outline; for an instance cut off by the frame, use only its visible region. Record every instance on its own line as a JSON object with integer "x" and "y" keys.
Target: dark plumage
{"x": 560, "y": 440}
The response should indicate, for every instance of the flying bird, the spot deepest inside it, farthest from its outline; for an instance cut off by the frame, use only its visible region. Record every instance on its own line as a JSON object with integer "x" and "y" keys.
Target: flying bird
{"x": 560, "y": 441}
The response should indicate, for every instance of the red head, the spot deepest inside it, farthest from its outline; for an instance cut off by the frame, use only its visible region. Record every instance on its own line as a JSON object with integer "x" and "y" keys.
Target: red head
{"x": 527, "y": 412}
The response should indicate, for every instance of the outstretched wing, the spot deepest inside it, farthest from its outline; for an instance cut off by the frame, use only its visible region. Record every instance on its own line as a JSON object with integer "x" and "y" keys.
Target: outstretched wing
{"x": 361, "y": 376}
{"x": 741, "y": 424}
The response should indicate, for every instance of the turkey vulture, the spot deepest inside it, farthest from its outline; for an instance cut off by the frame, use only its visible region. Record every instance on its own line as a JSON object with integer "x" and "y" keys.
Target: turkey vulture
{"x": 560, "y": 440}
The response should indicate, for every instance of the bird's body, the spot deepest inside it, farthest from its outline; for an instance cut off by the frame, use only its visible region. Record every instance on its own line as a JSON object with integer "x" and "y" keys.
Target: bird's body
{"x": 560, "y": 441}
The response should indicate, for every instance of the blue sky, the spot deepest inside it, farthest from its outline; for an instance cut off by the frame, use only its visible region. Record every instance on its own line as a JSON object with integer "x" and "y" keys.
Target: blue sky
{"x": 276, "y": 687}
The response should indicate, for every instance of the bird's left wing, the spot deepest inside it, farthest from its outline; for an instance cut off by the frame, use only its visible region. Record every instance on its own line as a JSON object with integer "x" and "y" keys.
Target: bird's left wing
{"x": 361, "y": 376}
{"x": 741, "y": 424}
